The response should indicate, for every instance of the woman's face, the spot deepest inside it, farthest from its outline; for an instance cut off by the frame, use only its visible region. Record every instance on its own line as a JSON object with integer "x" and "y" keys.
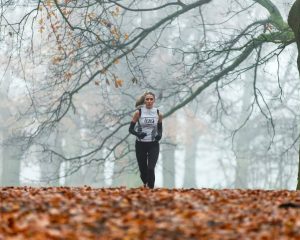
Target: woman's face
{"x": 149, "y": 100}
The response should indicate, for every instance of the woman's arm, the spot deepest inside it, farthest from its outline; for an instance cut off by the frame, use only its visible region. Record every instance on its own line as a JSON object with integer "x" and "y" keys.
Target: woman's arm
{"x": 159, "y": 127}
{"x": 160, "y": 117}
{"x": 135, "y": 118}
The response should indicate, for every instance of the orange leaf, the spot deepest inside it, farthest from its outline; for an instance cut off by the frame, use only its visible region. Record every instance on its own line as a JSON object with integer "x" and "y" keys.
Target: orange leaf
{"x": 118, "y": 83}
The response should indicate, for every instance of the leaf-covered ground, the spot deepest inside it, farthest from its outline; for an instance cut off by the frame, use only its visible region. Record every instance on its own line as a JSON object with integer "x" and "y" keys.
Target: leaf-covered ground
{"x": 138, "y": 213}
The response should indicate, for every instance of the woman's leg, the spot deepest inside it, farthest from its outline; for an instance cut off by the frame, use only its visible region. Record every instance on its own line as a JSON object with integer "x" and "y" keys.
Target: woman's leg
{"x": 141, "y": 156}
{"x": 153, "y": 154}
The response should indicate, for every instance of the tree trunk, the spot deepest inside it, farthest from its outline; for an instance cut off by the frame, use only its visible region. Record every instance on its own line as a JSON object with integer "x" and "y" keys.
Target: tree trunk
{"x": 243, "y": 137}
{"x": 50, "y": 167}
{"x": 298, "y": 179}
{"x": 72, "y": 146}
{"x": 294, "y": 23}
{"x": 190, "y": 162}
{"x": 168, "y": 163}
{"x": 10, "y": 156}
{"x": 11, "y": 164}
{"x": 241, "y": 171}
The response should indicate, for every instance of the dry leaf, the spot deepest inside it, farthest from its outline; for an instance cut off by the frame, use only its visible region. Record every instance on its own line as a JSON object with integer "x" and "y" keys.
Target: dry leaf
{"x": 139, "y": 213}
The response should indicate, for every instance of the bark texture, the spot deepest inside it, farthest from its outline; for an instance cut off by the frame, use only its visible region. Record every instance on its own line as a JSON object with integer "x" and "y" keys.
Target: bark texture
{"x": 294, "y": 23}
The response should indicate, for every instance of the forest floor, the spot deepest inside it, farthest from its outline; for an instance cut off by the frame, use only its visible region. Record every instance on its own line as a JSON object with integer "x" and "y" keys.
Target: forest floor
{"x": 139, "y": 213}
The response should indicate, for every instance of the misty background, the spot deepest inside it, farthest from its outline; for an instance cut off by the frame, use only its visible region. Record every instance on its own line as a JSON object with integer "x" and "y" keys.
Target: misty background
{"x": 68, "y": 93}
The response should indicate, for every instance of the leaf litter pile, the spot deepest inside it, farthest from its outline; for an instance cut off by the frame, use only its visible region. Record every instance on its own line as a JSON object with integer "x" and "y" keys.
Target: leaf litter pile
{"x": 139, "y": 213}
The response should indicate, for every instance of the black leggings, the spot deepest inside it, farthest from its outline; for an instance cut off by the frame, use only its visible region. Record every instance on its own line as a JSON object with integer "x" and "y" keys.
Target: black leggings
{"x": 147, "y": 155}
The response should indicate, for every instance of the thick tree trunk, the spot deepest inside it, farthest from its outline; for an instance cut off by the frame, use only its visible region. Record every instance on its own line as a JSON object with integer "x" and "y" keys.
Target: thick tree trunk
{"x": 294, "y": 23}
{"x": 298, "y": 179}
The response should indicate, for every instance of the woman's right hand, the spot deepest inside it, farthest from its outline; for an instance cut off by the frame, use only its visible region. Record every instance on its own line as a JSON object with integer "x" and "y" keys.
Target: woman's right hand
{"x": 141, "y": 135}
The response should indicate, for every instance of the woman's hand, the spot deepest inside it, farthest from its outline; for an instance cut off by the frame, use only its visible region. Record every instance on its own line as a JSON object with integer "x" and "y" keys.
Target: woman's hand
{"x": 158, "y": 137}
{"x": 141, "y": 135}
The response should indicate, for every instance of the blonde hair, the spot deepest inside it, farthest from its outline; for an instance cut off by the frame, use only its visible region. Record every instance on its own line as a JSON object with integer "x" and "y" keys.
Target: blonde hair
{"x": 141, "y": 99}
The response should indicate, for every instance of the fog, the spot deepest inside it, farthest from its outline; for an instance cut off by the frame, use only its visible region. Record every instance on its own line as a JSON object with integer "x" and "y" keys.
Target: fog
{"x": 224, "y": 74}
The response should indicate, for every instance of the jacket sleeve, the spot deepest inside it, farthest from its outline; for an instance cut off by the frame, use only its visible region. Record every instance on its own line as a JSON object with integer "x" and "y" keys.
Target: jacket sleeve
{"x": 131, "y": 128}
{"x": 159, "y": 129}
